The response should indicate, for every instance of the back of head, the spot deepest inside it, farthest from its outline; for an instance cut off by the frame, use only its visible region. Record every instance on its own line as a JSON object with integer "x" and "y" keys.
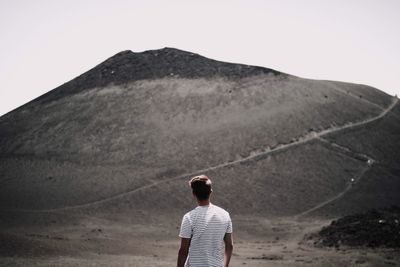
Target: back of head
{"x": 201, "y": 186}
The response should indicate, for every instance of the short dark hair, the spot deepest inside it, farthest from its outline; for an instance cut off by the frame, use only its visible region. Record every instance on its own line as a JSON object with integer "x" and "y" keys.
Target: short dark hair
{"x": 201, "y": 187}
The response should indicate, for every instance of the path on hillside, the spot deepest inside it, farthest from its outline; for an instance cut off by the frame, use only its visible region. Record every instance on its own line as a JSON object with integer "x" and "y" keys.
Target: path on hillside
{"x": 368, "y": 161}
{"x": 351, "y": 94}
{"x": 301, "y": 140}
{"x": 336, "y": 197}
{"x": 346, "y": 150}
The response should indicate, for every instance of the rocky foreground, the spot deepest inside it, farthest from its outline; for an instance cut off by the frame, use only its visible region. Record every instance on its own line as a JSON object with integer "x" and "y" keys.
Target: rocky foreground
{"x": 375, "y": 228}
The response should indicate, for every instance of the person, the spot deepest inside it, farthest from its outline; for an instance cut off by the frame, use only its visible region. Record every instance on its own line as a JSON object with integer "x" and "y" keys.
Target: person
{"x": 205, "y": 230}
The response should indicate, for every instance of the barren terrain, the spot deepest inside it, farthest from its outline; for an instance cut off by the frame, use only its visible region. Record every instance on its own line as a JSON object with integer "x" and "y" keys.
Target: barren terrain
{"x": 90, "y": 241}
{"x": 94, "y": 172}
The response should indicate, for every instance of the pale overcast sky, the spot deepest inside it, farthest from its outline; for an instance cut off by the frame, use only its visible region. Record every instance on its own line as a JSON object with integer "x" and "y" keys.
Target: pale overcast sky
{"x": 45, "y": 43}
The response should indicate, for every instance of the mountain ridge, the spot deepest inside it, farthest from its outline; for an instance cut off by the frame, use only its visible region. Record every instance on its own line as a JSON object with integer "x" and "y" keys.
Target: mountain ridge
{"x": 127, "y": 66}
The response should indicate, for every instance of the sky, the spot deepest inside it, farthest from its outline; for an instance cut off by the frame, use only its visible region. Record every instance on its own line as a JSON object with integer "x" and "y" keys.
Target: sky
{"x": 45, "y": 43}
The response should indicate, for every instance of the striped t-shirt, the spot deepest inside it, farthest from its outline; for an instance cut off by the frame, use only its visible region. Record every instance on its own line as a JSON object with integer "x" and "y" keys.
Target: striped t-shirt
{"x": 206, "y": 226}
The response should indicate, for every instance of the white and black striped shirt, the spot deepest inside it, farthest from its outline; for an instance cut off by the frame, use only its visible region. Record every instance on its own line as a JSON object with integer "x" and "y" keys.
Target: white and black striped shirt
{"x": 206, "y": 226}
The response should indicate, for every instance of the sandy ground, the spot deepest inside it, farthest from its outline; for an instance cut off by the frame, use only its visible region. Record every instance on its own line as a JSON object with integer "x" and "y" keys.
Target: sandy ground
{"x": 102, "y": 242}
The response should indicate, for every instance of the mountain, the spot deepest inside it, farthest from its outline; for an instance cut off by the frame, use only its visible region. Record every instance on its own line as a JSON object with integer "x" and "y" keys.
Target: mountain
{"x": 128, "y": 66}
{"x": 124, "y": 137}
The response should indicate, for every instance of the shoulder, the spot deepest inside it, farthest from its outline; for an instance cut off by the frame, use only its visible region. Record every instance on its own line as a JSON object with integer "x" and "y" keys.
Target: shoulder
{"x": 220, "y": 210}
{"x": 189, "y": 214}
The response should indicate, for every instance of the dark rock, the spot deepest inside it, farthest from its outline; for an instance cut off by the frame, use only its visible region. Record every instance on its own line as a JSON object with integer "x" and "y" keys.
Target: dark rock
{"x": 375, "y": 228}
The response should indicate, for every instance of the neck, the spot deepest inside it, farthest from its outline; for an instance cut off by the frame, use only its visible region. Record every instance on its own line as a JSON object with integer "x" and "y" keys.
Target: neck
{"x": 203, "y": 202}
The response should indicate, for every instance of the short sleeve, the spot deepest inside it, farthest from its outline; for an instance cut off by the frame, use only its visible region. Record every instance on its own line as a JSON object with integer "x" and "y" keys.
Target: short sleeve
{"x": 186, "y": 227}
{"x": 229, "y": 227}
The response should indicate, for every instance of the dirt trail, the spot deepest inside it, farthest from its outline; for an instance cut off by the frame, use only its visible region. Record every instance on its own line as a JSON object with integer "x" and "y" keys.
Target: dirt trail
{"x": 302, "y": 140}
{"x": 369, "y": 162}
{"x": 347, "y": 151}
{"x": 341, "y": 194}
{"x": 349, "y": 93}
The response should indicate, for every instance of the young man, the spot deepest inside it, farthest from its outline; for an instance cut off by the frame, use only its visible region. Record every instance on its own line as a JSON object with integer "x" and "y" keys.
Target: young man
{"x": 204, "y": 230}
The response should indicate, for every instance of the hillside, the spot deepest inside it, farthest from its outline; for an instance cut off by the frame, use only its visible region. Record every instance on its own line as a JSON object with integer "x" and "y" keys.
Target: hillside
{"x": 124, "y": 137}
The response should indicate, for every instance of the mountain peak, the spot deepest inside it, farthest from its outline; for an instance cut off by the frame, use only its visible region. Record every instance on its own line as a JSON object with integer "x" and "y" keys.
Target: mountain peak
{"x": 127, "y": 66}
{"x": 169, "y": 50}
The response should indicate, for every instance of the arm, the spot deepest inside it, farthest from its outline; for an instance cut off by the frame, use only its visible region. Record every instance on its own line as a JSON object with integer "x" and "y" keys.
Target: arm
{"x": 183, "y": 251}
{"x": 228, "y": 248}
